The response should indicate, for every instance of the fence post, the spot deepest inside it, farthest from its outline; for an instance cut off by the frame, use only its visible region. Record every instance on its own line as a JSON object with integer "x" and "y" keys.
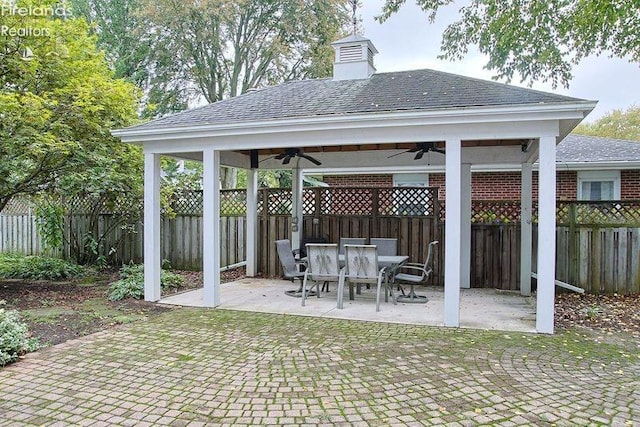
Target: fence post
{"x": 317, "y": 210}
{"x": 573, "y": 255}
{"x": 436, "y": 212}
{"x": 375, "y": 210}
{"x": 264, "y": 249}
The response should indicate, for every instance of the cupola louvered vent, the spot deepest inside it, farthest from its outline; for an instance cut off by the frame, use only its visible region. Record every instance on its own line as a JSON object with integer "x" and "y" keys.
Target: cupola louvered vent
{"x": 351, "y": 53}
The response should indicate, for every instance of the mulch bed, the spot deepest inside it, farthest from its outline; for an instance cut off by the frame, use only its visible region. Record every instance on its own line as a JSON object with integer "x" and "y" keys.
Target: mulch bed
{"x": 603, "y": 314}
{"x": 68, "y": 299}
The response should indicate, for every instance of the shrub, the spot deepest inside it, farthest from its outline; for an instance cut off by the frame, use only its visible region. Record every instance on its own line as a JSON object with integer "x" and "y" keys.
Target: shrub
{"x": 131, "y": 283}
{"x": 14, "y": 266}
{"x": 14, "y": 340}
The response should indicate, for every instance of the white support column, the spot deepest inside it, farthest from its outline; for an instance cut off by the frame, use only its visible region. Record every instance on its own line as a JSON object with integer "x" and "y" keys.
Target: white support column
{"x": 252, "y": 223}
{"x": 525, "y": 228}
{"x": 465, "y": 226}
{"x": 211, "y": 226}
{"x": 452, "y": 234}
{"x": 152, "y": 262}
{"x": 296, "y": 210}
{"x": 546, "y": 236}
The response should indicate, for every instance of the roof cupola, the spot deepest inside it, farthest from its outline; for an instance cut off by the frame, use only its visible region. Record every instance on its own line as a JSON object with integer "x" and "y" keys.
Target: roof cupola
{"x": 354, "y": 58}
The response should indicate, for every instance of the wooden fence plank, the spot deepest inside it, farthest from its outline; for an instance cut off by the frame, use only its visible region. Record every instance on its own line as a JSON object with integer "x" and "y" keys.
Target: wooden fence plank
{"x": 634, "y": 262}
{"x": 609, "y": 261}
{"x": 514, "y": 252}
{"x": 596, "y": 278}
{"x": 561, "y": 254}
{"x": 620, "y": 269}
{"x": 585, "y": 259}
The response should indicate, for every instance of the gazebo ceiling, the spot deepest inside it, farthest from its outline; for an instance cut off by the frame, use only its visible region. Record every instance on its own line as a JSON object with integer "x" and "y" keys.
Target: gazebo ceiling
{"x": 398, "y": 146}
{"x": 381, "y": 156}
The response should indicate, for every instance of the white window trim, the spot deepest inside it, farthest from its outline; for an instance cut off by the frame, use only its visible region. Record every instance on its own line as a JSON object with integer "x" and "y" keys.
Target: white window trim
{"x": 410, "y": 179}
{"x": 605, "y": 175}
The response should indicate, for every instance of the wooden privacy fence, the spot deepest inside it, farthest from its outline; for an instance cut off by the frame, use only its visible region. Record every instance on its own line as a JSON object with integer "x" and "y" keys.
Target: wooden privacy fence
{"x": 19, "y": 232}
{"x": 406, "y": 213}
{"x": 181, "y": 235}
{"x": 598, "y": 246}
{"x": 598, "y": 243}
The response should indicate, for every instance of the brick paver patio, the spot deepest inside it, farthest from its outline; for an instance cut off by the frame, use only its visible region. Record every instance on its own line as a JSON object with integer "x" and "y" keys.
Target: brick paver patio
{"x": 213, "y": 367}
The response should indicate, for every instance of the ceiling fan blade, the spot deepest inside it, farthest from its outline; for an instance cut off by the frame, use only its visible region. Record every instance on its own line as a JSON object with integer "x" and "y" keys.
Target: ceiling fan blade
{"x": 286, "y": 160}
{"x": 438, "y": 150}
{"x": 397, "y": 154}
{"x": 419, "y": 155}
{"x": 311, "y": 159}
{"x": 281, "y": 156}
{"x": 418, "y": 147}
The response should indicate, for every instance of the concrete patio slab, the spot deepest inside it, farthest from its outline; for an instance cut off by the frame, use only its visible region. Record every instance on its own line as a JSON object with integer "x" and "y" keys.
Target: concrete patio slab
{"x": 479, "y": 308}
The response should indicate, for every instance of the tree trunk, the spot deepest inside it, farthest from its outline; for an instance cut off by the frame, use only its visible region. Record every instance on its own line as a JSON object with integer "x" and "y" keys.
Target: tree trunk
{"x": 228, "y": 178}
{"x": 4, "y": 201}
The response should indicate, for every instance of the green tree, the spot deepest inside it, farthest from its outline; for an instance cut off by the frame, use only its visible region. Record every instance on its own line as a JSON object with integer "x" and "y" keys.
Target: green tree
{"x": 58, "y": 101}
{"x": 537, "y": 39}
{"x": 615, "y": 124}
{"x": 186, "y": 51}
{"x": 226, "y": 47}
{"x": 117, "y": 28}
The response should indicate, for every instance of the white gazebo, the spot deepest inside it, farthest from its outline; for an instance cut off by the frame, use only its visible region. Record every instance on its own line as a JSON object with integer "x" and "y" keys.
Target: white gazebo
{"x": 356, "y": 121}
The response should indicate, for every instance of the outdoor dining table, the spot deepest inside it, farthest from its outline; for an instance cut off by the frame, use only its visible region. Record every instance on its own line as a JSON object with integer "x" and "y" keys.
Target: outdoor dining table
{"x": 390, "y": 262}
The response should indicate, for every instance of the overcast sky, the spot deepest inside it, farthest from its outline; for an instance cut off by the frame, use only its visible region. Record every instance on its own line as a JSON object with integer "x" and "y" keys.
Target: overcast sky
{"x": 407, "y": 41}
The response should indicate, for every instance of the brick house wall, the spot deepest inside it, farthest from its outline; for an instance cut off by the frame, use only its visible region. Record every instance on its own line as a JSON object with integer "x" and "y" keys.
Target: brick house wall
{"x": 506, "y": 185}
{"x": 382, "y": 180}
{"x": 496, "y": 185}
{"x": 630, "y": 184}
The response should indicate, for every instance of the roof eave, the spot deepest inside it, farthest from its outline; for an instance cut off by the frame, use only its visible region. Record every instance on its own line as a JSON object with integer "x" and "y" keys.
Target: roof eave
{"x": 598, "y": 165}
{"x": 570, "y": 111}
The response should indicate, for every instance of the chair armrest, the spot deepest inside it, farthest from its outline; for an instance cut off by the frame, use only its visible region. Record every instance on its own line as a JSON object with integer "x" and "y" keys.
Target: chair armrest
{"x": 413, "y": 267}
{"x": 301, "y": 265}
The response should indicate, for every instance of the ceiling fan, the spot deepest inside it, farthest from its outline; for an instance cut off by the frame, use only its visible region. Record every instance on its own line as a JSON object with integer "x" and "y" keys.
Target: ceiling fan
{"x": 290, "y": 153}
{"x": 421, "y": 148}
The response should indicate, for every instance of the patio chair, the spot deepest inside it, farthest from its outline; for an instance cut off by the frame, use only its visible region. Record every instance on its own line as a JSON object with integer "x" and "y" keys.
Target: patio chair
{"x": 307, "y": 240}
{"x": 322, "y": 267}
{"x": 414, "y": 273}
{"x": 361, "y": 267}
{"x": 292, "y": 269}
{"x": 350, "y": 241}
{"x": 385, "y": 246}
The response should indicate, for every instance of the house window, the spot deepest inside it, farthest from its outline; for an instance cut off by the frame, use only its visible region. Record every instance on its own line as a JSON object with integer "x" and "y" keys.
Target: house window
{"x": 599, "y": 185}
